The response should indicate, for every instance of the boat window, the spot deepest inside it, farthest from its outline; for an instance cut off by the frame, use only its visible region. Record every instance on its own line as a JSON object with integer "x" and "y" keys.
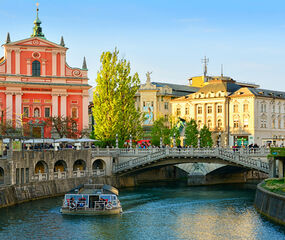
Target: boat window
{"x": 80, "y": 199}
{"x": 108, "y": 197}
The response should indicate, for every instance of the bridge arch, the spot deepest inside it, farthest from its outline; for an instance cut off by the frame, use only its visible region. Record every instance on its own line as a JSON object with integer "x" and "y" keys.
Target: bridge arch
{"x": 1, "y": 175}
{"x": 99, "y": 164}
{"x": 41, "y": 167}
{"x": 61, "y": 166}
{"x": 79, "y": 164}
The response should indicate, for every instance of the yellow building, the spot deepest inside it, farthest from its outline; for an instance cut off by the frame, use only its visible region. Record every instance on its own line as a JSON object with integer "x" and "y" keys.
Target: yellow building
{"x": 154, "y": 99}
{"x": 236, "y": 113}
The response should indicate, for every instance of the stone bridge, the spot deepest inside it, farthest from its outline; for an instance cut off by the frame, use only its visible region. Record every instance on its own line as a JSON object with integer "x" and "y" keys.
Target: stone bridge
{"x": 19, "y": 167}
{"x": 173, "y": 156}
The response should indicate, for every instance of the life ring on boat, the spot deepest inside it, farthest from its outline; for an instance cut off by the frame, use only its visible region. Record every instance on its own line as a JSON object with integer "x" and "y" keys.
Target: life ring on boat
{"x": 109, "y": 206}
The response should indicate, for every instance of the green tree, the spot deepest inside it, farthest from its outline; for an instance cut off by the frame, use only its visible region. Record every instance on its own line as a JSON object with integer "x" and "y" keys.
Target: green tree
{"x": 114, "y": 103}
{"x": 175, "y": 130}
{"x": 159, "y": 130}
{"x": 191, "y": 133}
{"x": 206, "y": 137}
{"x": 65, "y": 127}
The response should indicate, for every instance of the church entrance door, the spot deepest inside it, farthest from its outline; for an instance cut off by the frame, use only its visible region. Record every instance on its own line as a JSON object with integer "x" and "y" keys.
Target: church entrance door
{"x": 37, "y": 132}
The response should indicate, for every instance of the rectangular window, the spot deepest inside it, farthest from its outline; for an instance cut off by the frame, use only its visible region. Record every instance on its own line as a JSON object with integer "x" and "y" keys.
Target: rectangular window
{"x": 47, "y": 112}
{"x": 235, "y": 108}
{"x": 178, "y": 111}
{"x": 209, "y": 109}
{"x": 186, "y": 110}
{"x": 74, "y": 113}
{"x": 236, "y": 124}
{"x": 22, "y": 175}
{"x": 220, "y": 109}
{"x": 199, "y": 110}
{"x": 27, "y": 175}
{"x": 152, "y": 103}
{"x": 263, "y": 123}
{"x": 143, "y": 103}
{"x": 245, "y": 123}
{"x": 26, "y": 112}
{"x": 245, "y": 107}
{"x": 166, "y": 105}
{"x": 17, "y": 176}
{"x": 162, "y": 99}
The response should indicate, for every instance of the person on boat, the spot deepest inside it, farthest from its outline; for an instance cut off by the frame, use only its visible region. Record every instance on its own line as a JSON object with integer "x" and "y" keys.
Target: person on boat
{"x": 72, "y": 204}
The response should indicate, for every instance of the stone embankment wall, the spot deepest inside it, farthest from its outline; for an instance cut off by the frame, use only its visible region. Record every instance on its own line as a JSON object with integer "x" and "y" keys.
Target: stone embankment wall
{"x": 270, "y": 204}
{"x": 15, "y": 194}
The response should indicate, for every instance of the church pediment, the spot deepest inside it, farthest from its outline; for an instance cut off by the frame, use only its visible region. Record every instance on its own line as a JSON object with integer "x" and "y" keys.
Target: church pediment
{"x": 35, "y": 42}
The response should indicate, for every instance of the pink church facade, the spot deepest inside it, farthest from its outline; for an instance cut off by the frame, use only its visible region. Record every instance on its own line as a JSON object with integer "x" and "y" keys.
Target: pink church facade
{"x": 37, "y": 83}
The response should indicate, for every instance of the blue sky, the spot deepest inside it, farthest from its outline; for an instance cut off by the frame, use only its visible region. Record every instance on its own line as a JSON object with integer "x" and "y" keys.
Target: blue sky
{"x": 166, "y": 37}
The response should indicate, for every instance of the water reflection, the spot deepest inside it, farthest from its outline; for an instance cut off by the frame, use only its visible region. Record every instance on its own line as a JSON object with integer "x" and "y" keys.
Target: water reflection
{"x": 216, "y": 212}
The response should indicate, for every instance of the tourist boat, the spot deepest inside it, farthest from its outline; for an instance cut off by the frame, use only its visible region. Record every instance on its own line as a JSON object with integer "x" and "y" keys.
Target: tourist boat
{"x": 92, "y": 199}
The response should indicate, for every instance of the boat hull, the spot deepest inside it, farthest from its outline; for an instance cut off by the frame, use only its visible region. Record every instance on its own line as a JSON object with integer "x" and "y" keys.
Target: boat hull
{"x": 91, "y": 212}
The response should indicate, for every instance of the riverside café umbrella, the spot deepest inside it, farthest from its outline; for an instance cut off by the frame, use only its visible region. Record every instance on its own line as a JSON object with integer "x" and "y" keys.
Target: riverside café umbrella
{"x": 65, "y": 140}
{"x": 39, "y": 140}
{"x": 82, "y": 140}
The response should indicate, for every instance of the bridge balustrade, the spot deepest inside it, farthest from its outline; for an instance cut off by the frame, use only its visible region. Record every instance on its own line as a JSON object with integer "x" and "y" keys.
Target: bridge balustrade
{"x": 238, "y": 157}
{"x": 99, "y": 172}
{"x": 79, "y": 173}
{"x": 40, "y": 177}
{"x": 59, "y": 175}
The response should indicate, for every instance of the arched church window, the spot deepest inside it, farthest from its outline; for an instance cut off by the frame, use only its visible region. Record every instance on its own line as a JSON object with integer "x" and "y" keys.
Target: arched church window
{"x": 36, "y": 112}
{"x": 36, "y": 68}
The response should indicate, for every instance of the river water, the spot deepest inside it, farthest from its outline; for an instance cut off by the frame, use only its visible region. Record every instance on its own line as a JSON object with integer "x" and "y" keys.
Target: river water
{"x": 161, "y": 212}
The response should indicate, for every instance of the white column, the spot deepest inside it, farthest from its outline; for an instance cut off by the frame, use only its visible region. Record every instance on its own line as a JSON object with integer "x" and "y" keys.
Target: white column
{"x": 17, "y": 57}
{"x": 53, "y": 63}
{"x": 9, "y": 106}
{"x": 9, "y": 61}
{"x": 63, "y": 106}
{"x": 62, "y": 64}
{"x": 18, "y": 110}
{"x": 54, "y": 105}
{"x": 85, "y": 118}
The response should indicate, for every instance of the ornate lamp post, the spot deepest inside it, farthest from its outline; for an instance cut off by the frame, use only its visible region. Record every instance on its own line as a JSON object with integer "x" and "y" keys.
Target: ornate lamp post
{"x": 160, "y": 142}
{"x": 174, "y": 141}
{"x": 117, "y": 141}
{"x": 198, "y": 145}
{"x": 219, "y": 139}
{"x": 131, "y": 141}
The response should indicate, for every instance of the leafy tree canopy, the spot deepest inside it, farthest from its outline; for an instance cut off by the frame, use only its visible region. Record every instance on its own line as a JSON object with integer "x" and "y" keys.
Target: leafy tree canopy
{"x": 191, "y": 133}
{"x": 114, "y": 103}
{"x": 159, "y": 130}
{"x": 205, "y": 137}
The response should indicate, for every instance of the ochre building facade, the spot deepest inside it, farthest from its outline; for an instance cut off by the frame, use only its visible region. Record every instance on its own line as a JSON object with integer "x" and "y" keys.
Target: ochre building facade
{"x": 236, "y": 113}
